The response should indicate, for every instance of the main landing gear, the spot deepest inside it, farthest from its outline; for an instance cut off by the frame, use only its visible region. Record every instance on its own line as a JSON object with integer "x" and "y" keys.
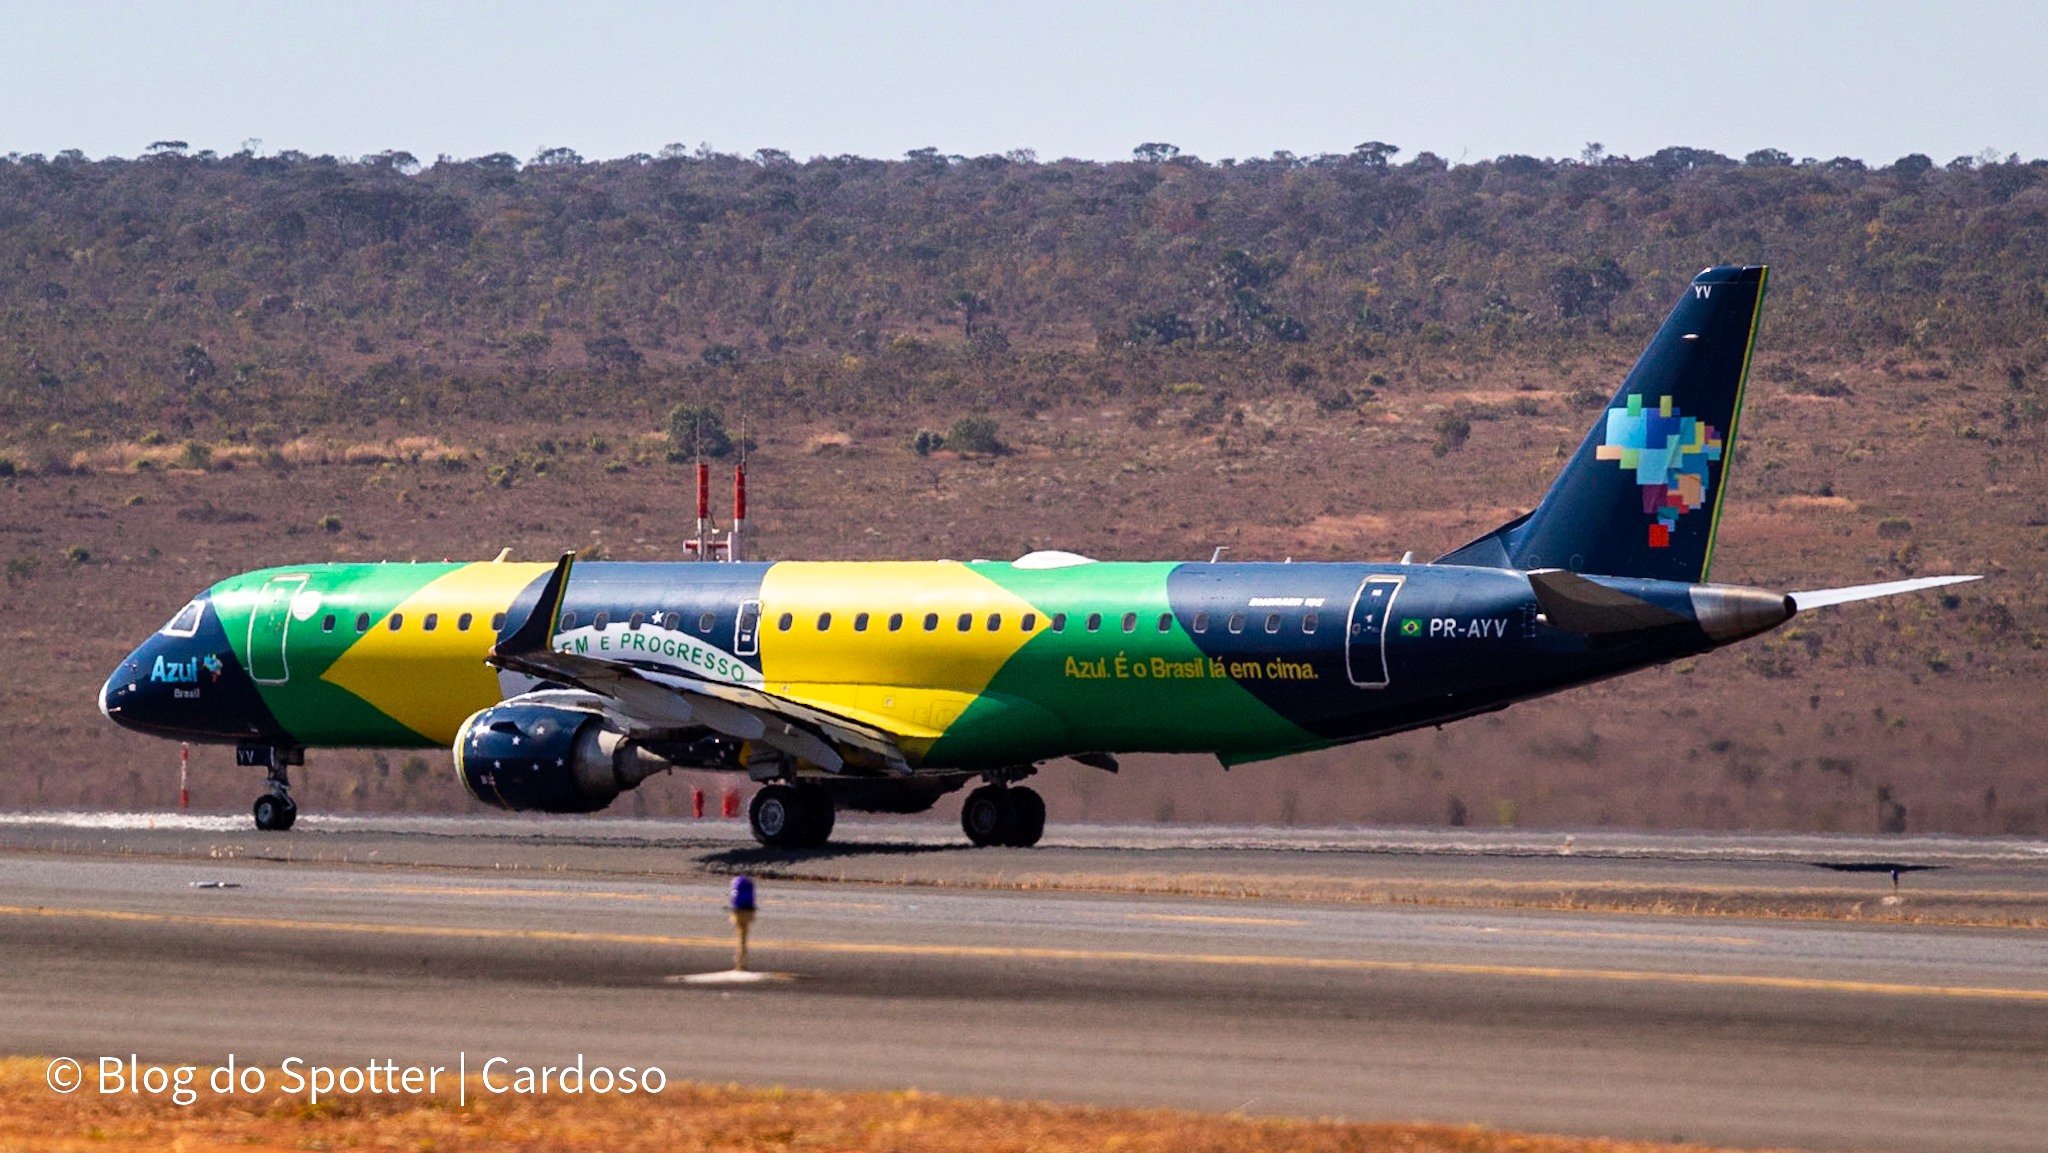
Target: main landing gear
{"x": 1003, "y": 814}
{"x": 275, "y": 811}
{"x": 793, "y": 816}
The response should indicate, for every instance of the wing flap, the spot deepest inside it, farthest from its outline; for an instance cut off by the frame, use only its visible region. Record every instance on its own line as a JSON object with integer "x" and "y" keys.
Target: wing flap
{"x": 649, "y": 701}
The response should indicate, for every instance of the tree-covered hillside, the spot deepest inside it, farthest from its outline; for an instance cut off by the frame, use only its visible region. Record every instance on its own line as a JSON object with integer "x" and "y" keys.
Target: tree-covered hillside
{"x": 208, "y": 295}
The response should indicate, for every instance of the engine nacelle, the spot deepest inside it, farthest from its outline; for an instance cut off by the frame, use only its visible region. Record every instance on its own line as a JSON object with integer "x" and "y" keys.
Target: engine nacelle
{"x": 540, "y": 757}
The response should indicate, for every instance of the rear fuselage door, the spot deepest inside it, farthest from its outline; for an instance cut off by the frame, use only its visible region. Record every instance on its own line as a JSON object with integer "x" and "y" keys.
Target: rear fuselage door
{"x": 268, "y": 625}
{"x": 1365, "y": 643}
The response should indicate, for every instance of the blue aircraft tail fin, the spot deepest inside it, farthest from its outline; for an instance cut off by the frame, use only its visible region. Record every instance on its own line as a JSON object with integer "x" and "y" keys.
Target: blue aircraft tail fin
{"x": 1642, "y": 497}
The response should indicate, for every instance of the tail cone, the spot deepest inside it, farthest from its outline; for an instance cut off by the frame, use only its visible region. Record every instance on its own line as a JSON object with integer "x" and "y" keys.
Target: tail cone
{"x": 1729, "y": 613}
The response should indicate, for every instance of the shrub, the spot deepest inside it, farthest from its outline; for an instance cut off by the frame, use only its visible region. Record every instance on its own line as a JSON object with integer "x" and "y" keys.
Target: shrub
{"x": 926, "y": 442}
{"x": 7, "y": 467}
{"x": 197, "y": 456}
{"x": 1894, "y": 527}
{"x": 975, "y": 434}
{"x": 694, "y": 429}
{"x": 330, "y": 523}
{"x": 1452, "y": 431}
{"x": 78, "y": 554}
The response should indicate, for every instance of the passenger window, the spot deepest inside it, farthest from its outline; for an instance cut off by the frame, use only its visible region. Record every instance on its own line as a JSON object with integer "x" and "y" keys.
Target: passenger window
{"x": 1236, "y": 622}
{"x": 1165, "y": 622}
{"x": 931, "y": 622}
{"x": 497, "y": 622}
{"x": 966, "y": 621}
{"x": 634, "y": 622}
{"x": 995, "y": 622}
{"x": 895, "y": 621}
{"x": 568, "y": 621}
{"x": 433, "y": 620}
{"x": 860, "y": 622}
{"x": 396, "y": 622}
{"x": 1094, "y": 621}
{"x": 462, "y": 622}
{"x": 1130, "y": 622}
{"x": 705, "y": 621}
{"x": 327, "y": 623}
{"x": 1272, "y": 622}
{"x": 1059, "y": 622}
{"x": 673, "y": 621}
{"x": 824, "y": 622}
{"x": 602, "y": 619}
{"x": 784, "y": 621}
{"x": 1309, "y": 621}
{"x": 1029, "y": 622}
{"x": 362, "y": 622}
{"x": 1201, "y": 622}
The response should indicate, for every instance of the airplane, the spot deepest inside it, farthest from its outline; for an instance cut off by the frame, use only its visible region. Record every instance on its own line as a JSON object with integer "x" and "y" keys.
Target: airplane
{"x": 883, "y": 686}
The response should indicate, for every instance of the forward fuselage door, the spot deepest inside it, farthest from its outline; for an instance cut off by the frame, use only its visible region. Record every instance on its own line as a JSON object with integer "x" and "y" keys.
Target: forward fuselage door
{"x": 268, "y": 625}
{"x": 1365, "y": 642}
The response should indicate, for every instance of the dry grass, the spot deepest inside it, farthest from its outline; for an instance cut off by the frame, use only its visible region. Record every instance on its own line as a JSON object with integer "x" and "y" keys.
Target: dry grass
{"x": 692, "y": 1117}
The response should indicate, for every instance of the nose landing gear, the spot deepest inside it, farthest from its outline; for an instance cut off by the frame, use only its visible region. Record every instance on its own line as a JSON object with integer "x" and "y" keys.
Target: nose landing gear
{"x": 275, "y": 811}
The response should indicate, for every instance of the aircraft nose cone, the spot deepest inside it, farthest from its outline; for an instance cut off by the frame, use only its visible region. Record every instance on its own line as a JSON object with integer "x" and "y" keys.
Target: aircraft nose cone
{"x": 125, "y": 698}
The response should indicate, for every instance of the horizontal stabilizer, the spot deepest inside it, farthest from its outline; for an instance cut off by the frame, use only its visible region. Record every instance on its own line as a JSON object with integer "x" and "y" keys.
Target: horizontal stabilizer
{"x": 1575, "y": 604}
{"x": 1821, "y": 598}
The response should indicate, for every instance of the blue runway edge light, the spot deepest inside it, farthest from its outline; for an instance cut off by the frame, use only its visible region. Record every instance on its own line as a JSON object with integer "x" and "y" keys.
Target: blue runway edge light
{"x": 742, "y": 895}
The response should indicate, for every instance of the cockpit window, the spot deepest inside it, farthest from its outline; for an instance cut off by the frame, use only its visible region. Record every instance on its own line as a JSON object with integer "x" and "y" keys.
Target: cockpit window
{"x": 187, "y": 621}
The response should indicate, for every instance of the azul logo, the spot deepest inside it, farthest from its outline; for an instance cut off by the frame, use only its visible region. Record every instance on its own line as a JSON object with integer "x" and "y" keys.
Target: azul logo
{"x": 186, "y": 672}
{"x": 1669, "y": 454}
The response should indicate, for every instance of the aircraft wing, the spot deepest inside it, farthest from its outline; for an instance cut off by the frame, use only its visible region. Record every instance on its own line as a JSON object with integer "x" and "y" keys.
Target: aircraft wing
{"x": 648, "y": 700}
{"x": 1821, "y": 598}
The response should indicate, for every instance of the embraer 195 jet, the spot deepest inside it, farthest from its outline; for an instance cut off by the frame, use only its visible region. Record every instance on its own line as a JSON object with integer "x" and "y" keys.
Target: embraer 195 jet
{"x": 882, "y": 686}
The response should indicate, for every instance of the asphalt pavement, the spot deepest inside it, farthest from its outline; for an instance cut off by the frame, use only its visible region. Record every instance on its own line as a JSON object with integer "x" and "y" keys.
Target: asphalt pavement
{"x": 498, "y": 940}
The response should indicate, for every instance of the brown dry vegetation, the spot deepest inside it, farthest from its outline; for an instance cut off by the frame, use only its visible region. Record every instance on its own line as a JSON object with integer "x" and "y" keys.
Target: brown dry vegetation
{"x": 1930, "y": 701}
{"x": 696, "y": 1117}
{"x": 213, "y": 363}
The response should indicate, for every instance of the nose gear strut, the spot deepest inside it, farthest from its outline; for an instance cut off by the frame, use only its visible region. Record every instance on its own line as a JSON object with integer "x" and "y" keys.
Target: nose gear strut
{"x": 275, "y": 811}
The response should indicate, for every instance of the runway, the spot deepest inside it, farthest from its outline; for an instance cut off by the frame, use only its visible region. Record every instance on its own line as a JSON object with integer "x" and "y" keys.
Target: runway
{"x": 1762, "y": 1032}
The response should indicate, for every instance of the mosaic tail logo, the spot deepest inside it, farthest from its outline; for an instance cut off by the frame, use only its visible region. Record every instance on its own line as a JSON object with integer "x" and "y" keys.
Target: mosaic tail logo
{"x": 1669, "y": 454}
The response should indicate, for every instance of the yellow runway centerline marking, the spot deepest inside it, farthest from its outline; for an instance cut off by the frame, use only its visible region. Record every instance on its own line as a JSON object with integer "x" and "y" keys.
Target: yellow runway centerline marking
{"x": 1248, "y": 960}
{"x": 1212, "y": 920}
{"x": 1685, "y": 938}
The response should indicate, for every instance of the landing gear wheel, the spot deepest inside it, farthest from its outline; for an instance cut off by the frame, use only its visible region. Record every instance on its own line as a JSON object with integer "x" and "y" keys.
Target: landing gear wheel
{"x": 778, "y": 816}
{"x": 274, "y": 814}
{"x": 987, "y": 816}
{"x": 1027, "y": 818}
{"x": 819, "y": 815}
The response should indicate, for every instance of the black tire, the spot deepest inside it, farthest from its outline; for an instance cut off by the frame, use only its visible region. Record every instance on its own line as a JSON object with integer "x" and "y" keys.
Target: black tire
{"x": 1027, "y": 818}
{"x": 819, "y": 815}
{"x": 778, "y": 816}
{"x": 269, "y": 812}
{"x": 290, "y": 815}
{"x": 986, "y": 815}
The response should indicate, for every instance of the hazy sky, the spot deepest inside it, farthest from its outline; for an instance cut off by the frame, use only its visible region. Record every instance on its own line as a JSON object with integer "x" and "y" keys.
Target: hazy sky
{"x": 1874, "y": 80}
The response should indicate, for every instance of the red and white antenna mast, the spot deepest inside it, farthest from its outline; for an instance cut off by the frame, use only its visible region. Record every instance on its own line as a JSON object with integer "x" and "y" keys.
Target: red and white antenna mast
{"x": 703, "y": 511}
{"x": 739, "y": 508}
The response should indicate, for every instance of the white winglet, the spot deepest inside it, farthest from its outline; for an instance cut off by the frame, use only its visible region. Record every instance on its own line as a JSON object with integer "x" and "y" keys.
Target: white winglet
{"x": 1821, "y": 598}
